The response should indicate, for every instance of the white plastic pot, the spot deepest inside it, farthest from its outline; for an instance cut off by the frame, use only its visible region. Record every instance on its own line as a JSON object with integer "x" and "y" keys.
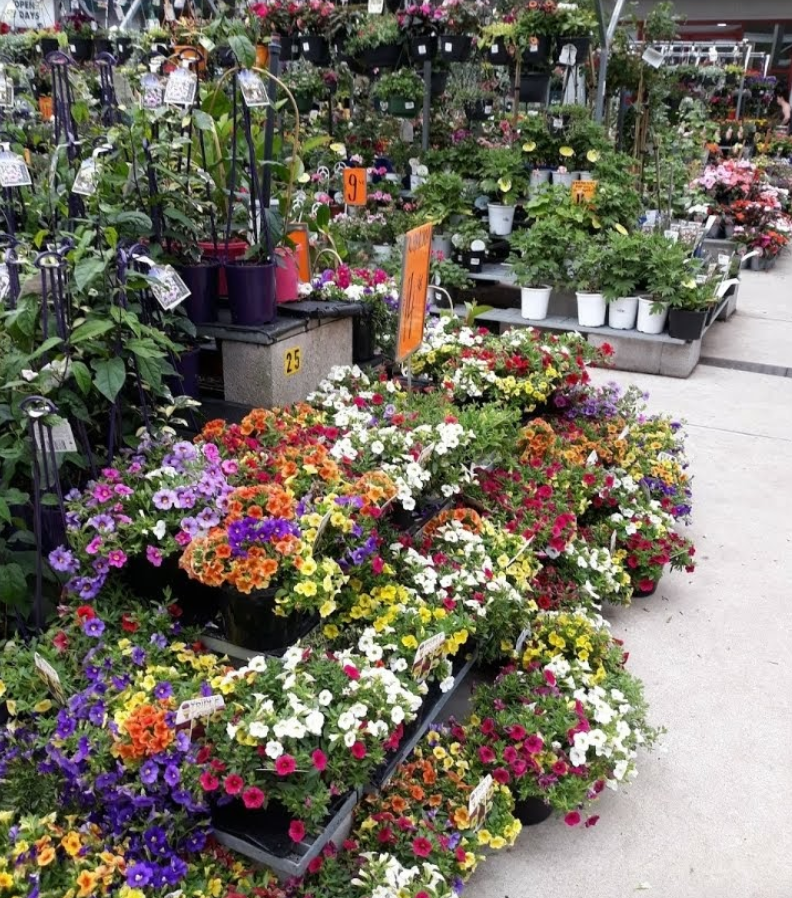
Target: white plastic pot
{"x": 564, "y": 178}
{"x": 441, "y": 244}
{"x": 651, "y": 322}
{"x": 381, "y": 252}
{"x": 591, "y": 309}
{"x": 535, "y": 301}
{"x": 622, "y": 312}
{"x": 501, "y": 219}
{"x": 540, "y": 176}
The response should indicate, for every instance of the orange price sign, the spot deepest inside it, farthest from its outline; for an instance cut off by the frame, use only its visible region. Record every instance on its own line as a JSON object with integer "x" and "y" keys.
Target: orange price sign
{"x": 583, "y": 191}
{"x": 414, "y": 284}
{"x": 355, "y": 193}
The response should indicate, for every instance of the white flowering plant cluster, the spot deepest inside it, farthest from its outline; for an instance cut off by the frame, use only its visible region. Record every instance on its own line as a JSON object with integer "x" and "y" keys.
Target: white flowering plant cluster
{"x": 304, "y": 729}
{"x": 384, "y": 876}
{"x": 599, "y": 574}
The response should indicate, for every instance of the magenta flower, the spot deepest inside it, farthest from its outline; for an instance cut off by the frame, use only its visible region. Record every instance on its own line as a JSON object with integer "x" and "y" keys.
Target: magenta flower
{"x": 94, "y": 545}
{"x": 154, "y": 556}
{"x": 117, "y": 558}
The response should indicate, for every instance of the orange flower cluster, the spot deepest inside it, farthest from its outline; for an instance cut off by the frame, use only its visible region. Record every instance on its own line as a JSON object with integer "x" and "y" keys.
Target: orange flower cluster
{"x": 375, "y": 488}
{"x": 254, "y": 501}
{"x": 148, "y": 733}
{"x": 467, "y": 517}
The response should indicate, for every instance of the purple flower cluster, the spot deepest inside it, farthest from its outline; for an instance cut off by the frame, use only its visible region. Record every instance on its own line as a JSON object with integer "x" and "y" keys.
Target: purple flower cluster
{"x": 251, "y": 531}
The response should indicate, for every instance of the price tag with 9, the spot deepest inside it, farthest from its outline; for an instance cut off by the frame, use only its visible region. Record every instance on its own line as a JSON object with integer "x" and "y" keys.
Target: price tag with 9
{"x": 355, "y": 190}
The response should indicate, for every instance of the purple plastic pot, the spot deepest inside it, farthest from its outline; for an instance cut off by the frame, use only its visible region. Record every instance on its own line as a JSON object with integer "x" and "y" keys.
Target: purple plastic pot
{"x": 251, "y": 293}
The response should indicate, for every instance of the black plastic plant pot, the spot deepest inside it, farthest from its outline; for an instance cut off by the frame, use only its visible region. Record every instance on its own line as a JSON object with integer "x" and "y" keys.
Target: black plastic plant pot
{"x": 251, "y": 293}
{"x": 188, "y": 367}
{"x": 287, "y": 49}
{"x": 304, "y": 103}
{"x": 48, "y": 45}
{"x": 224, "y": 57}
{"x": 456, "y": 47}
{"x": 531, "y": 811}
{"x": 581, "y": 44}
{"x": 203, "y": 282}
{"x": 534, "y": 88}
{"x": 250, "y": 620}
{"x": 498, "y": 54}
{"x": 438, "y": 84}
{"x": 684, "y": 324}
{"x": 103, "y": 45}
{"x": 386, "y": 56}
{"x": 479, "y": 111}
{"x": 199, "y": 603}
{"x": 124, "y": 48}
{"x": 81, "y": 48}
{"x": 472, "y": 261}
{"x": 537, "y": 52}
{"x": 315, "y": 48}
{"x": 401, "y": 107}
{"x": 423, "y": 48}
{"x": 362, "y": 338}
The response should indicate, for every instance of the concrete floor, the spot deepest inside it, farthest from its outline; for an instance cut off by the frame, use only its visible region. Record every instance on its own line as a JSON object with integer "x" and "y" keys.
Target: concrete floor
{"x": 708, "y": 815}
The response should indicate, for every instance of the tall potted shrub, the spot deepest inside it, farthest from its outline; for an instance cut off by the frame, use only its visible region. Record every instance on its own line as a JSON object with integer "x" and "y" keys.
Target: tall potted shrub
{"x": 623, "y": 263}
{"x": 537, "y": 261}
{"x": 665, "y": 274}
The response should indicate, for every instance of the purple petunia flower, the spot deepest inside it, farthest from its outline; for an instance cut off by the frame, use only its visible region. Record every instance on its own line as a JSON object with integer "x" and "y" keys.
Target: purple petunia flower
{"x": 172, "y": 775}
{"x": 138, "y": 875}
{"x": 164, "y": 499}
{"x": 102, "y": 522}
{"x": 154, "y": 556}
{"x": 93, "y": 627}
{"x": 63, "y": 560}
{"x": 149, "y": 772}
{"x": 190, "y": 525}
{"x": 97, "y": 714}
{"x": 102, "y": 493}
{"x": 195, "y": 842}
{"x": 155, "y": 838}
{"x": 66, "y": 725}
{"x": 163, "y": 691}
{"x": 184, "y": 450}
{"x": 208, "y": 518}
{"x": 138, "y": 656}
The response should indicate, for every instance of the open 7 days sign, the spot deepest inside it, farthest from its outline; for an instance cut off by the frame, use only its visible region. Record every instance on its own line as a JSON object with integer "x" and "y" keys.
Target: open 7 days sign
{"x": 412, "y": 297}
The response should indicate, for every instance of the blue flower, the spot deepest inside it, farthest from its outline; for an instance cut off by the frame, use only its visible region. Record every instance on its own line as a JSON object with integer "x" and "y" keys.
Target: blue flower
{"x": 149, "y": 772}
{"x": 138, "y": 875}
{"x": 172, "y": 775}
{"x": 93, "y": 627}
{"x": 163, "y": 690}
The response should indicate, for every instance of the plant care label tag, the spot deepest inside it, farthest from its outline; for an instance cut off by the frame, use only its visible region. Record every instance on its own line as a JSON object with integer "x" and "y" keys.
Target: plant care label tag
{"x": 320, "y": 530}
{"x": 592, "y": 459}
{"x": 6, "y": 93}
{"x": 613, "y": 542}
{"x": 475, "y": 261}
{"x": 181, "y": 88}
{"x": 428, "y": 655}
{"x": 671, "y": 235}
{"x": 5, "y": 281}
{"x": 375, "y": 7}
{"x": 152, "y": 91}
{"x": 480, "y": 802}
{"x": 168, "y": 287}
{"x": 87, "y": 178}
{"x": 13, "y": 171}
{"x": 448, "y": 47}
{"x": 409, "y": 104}
{"x": 623, "y": 434}
{"x": 195, "y": 708}
{"x": 422, "y": 49}
{"x": 62, "y": 438}
{"x": 254, "y": 92}
{"x": 123, "y": 90}
{"x": 425, "y": 454}
{"x": 50, "y": 676}
{"x": 723, "y": 260}
{"x": 524, "y": 636}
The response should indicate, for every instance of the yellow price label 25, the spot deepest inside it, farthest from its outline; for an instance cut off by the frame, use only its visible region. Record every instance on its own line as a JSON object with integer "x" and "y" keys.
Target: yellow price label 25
{"x": 292, "y": 361}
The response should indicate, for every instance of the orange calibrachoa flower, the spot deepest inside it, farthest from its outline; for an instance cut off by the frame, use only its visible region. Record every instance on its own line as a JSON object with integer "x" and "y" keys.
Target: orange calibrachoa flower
{"x": 467, "y": 517}
{"x": 46, "y": 856}
{"x": 87, "y": 883}
{"x": 148, "y": 733}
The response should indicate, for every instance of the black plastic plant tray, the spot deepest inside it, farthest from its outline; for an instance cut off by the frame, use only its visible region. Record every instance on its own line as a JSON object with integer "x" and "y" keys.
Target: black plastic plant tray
{"x": 216, "y": 642}
{"x": 267, "y": 842}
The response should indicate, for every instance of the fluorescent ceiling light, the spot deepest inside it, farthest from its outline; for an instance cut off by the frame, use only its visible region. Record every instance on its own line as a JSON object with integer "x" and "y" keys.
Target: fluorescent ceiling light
{"x": 723, "y": 24}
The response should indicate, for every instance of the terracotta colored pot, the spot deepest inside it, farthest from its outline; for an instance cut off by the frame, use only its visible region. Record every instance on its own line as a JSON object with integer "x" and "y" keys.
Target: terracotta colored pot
{"x": 46, "y": 107}
{"x": 262, "y": 56}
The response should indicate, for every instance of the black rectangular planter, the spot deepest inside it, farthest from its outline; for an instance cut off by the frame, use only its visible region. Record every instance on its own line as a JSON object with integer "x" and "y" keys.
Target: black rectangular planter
{"x": 684, "y": 324}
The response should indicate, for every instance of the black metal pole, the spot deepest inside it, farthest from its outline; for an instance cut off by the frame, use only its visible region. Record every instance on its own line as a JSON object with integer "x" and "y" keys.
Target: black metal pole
{"x": 269, "y": 131}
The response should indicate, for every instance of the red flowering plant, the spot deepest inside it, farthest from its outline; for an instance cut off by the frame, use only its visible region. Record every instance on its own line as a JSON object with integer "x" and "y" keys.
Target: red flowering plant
{"x": 300, "y": 732}
{"x": 317, "y": 17}
{"x": 423, "y": 812}
{"x": 463, "y": 16}
{"x": 279, "y": 17}
{"x": 550, "y": 733}
{"x": 420, "y": 19}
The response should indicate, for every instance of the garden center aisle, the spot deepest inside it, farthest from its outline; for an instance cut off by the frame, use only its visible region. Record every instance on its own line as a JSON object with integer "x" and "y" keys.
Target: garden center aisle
{"x": 706, "y": 816}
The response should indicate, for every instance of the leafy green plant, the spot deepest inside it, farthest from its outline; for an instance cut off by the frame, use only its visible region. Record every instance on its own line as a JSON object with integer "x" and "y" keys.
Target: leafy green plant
{"x": 467, "y": 233}
{"x": 373, "y": 31}
{"x": 303, "y": 77}
{"x": 504, "y": 176}
{"x": 538, "y": 254}
{"x": 441, "y": 196}
{"x": 403, "y": 83}
{"x": 622, "y": 265}
{"x": 577, "y": 20}
{"x": 468, "y": 84}
{"x": 666, "y": 268}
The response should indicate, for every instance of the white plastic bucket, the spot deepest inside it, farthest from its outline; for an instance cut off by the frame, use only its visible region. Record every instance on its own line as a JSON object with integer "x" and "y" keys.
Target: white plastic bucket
{"x": 591, "y": 309}
{"x": 622, "y": 313}
{"x": 501, "y": 219}
{"x": 535, "y": 301}
{"x": 649, "y": 322}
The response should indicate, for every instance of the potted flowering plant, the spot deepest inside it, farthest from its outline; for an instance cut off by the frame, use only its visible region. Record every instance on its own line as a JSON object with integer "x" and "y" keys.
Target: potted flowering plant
{"x": 461, "y": 19}
{"x": 399, "y": 93}
{"x": 557, "y": 735}
{"x": 470, "y": 241}
{"x": 505, "y": 183}
{"x": 577, "y": 25}
{"x": 420, "y": 23}
{"x": 80, "y": 29}
{"x": 316, "y": 20}
{"x": 305, "y": 81}
{"x": 536, "y": 25}
{"x": 296, "y": 734}
{"x": 280, "y": 17}
{"x": 376, "y": 43}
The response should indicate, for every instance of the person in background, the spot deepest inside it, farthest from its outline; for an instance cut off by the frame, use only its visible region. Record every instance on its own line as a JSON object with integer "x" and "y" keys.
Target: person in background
{"x": 782, "y": 99}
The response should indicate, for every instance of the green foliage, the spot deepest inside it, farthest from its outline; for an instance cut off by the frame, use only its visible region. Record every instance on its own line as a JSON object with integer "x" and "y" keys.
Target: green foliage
{"x": 441, "y": 196}
{"x": 539, "y": 253}
{"x": 403, "y": 83}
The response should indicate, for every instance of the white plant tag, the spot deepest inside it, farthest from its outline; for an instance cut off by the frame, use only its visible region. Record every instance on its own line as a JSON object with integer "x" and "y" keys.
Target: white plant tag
{"x": 195, "y": 708}
{"x": 375, "y": 7}
{"x": 50, "y": 676}
{"x": 13, "y": 171}
{"x": 428, "y": 656}
{"x": 254, "y": 93}
{"x": 87, "y": 178}
{"x": 181, "y": 88}
{"x": 168, "y": 287}
{"x": 480, "y": 801}
{"x": 522, "y": 639}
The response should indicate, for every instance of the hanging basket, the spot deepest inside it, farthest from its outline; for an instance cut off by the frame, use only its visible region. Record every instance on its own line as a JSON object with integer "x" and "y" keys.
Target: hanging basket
{"x": 386, "y": 56}
{"x": 250, "y": 620}
{"x": 582, "y": 46}
{"x": 534, "y": 88}
{"x": 81, "y": 48}
{"x": 479, "y": 111}
{"x": 401, "y": 107}
{"x": 422, "y": 49}
{"x": 315, "y": 48}
{"x": 537, "y": 52}
{"x": 498, "y": 54}
{"x": 304, "y": 103}
{"x": 456, "y": 47}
